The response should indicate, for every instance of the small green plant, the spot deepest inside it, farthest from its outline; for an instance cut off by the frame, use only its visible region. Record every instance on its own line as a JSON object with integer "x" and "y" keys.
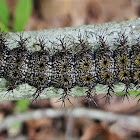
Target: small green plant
{"x": 22, "y": 13}
{"x": 22, "y": 105}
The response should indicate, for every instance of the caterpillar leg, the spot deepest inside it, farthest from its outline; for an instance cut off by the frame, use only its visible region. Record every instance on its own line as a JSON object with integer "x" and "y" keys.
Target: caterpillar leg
{"x": 89, "y": 98}
{"x": 108, "y": 95}
{"x": 127, "y": 94}
{"x": 65, "y": 96}
{"x": 36, "y": 94}
{"x": 10, "y": 89}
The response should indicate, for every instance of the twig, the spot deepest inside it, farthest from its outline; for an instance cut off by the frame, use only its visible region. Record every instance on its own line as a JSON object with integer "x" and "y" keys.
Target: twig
{"x": 131, "y": 28}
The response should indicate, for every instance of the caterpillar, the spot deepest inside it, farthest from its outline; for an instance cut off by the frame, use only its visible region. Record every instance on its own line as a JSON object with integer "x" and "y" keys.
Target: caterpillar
{"x": 66, "y": 68}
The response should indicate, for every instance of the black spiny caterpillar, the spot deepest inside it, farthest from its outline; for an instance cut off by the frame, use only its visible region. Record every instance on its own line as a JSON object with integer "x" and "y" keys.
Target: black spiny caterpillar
{"x": 66, "y": 68}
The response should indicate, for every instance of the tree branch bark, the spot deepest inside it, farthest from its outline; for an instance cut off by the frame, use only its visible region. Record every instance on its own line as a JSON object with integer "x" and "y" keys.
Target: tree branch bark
{"x": 131, "y": 28}
{"x": 133, "y": 122}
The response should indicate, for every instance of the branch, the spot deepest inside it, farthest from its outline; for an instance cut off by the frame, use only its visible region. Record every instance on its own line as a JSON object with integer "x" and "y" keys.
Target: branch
{"x": 75, "y": 113}
{"x": 131, "y": 28}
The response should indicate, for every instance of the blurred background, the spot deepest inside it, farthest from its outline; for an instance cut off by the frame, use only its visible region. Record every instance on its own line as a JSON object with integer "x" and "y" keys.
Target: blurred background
{"x": 23, "y": 120}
